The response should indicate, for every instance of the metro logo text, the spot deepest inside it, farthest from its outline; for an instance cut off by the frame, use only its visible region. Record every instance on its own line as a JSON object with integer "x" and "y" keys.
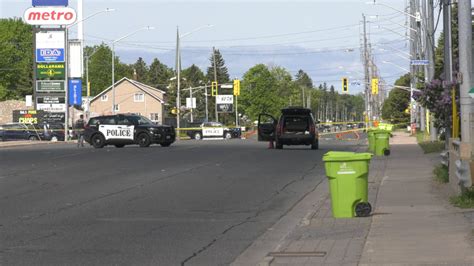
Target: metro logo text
{"x": 50, "y": 16}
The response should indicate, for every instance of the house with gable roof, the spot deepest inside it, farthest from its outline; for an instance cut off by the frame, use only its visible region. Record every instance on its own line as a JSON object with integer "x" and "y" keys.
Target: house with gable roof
{"x": 131, "y": 97}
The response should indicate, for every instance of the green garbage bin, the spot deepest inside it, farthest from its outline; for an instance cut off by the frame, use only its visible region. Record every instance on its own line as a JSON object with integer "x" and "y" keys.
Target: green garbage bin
{"x": 371, "y": 139}
{"x": 348, "y": 183}
{"x": 382, "y": 143}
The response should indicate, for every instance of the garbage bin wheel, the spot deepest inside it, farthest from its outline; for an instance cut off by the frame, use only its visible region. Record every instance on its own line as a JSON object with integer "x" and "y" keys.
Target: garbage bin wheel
{"x": 386, "y": 152}
{"x": 363, "y": 209}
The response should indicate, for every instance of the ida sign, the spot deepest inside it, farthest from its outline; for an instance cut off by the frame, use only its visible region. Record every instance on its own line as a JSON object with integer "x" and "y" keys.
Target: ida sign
{"x": 50, "y": 16}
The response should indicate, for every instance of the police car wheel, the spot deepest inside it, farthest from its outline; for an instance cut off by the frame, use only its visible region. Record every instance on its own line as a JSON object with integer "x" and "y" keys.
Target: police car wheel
{"x": 144, "y": 140}
{"x": 32, "y": 138}
{"x": 98, "y": 141}
{"x": 166, "y": 144}
{"x": 119, "y": 145}
{"x": 228, "y": 135}
{"x": 197, "y": 136}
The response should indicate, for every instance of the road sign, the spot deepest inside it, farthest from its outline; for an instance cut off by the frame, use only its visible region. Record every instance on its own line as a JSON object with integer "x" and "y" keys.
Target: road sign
{"x": 50, "y": 55}
{"x": 419, "y": 62}
{"x": 50, "y": 16}
{"x": 227, "y": 86}
{"x": 375, "y": 86}
{"x": 191, "y": 102}
{"x": 50, "y": 2}
{"x": 225, "y": 99}
{"x": 75, "y": 92}
{"x": 225, "y": 108}
{"x": 471, "y": 92}
{"x": 53, "y": 71}
{"x": 50, "y": 86}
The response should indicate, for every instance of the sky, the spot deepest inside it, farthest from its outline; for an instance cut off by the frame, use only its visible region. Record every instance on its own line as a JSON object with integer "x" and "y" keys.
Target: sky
{"x": 321, "y": 37}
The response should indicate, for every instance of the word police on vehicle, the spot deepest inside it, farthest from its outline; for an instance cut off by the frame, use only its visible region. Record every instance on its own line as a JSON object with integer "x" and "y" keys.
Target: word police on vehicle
{"x": 121, "y": 130}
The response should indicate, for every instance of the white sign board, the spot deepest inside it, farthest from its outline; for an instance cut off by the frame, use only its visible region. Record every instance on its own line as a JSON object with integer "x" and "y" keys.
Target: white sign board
{"x": 225, "y": 99}
{"x": 29, "y": 100}
{"x": 50, "y": 39}
{"x": 75, "y": 62}
{"x": 50, "y": 16}
{"x": 116, "y": 132}
{"x": 213, "y": 132}
{"x": 52, "y": 107}
{"x": 190, "y": 102}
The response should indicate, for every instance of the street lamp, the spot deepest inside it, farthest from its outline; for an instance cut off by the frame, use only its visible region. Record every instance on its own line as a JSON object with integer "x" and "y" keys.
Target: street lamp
{"x": 417, "y": 14}
{"x": 178, "y": 69}
{"x": 402, "y": 68}
{"x": 399, "y": 55}
{"x": 92, "y": 15}
{"x": 385, "y": 28}
{"x": 107, "y": 10}
{"x": 113, "y": 60}
{"x": 87, "y": 82}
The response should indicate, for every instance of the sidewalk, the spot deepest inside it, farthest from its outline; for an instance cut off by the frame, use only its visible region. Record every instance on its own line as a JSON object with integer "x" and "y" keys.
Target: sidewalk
{"x": 14, "y": 143}
{"x": 411, "y": 223}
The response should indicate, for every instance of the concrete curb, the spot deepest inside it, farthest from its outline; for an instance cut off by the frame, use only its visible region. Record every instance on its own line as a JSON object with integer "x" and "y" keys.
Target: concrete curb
{"x": 276, "y": 236}
{"x": 10, "y": 144}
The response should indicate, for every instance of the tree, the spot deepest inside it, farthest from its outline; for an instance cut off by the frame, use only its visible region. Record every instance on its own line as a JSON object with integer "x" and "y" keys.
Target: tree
{"x": 222, "y": 72}
{"x": 302, "y": 79}
{"x": 100, "y": 68}
{"x": 158, "y": 75}
{"x": 141, "y": 70}
{"x": 259, "y": 93}
{"x": 398, "y": 101}
{"x": 16, "y": 59}
{"x": 194, "y": 78}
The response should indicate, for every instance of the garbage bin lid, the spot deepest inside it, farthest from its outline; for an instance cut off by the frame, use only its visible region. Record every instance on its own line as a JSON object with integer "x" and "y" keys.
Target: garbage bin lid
{"x": 339, "y": 156}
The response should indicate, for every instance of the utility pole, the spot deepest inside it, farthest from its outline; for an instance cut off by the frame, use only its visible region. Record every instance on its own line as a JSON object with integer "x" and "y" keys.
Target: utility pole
{"x": 431, "y": 58}
{"x": 366, "y": 74}
{"x": 192, "y": 105}
{"x": 465, "y": 66}
{"x": 207, "y": 110}
{"x": 215, "y": 78}
{"x": 448, "y": 55}
{"x": 413, "y": 49}
{"x": 178, "y": 82}
{"x": 421, "y": 51}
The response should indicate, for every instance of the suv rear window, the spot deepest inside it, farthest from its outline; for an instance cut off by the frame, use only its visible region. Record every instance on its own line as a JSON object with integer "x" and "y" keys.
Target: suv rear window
{"x": 296, "y": 123}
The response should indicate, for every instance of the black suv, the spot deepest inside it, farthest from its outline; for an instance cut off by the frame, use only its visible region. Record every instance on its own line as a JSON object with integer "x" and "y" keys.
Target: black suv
{"x": 296, "y": 126}
{"x": 121, "y": 130}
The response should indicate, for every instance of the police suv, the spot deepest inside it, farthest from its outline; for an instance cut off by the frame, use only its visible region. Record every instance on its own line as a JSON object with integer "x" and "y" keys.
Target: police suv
{"x": 121, "y": 130}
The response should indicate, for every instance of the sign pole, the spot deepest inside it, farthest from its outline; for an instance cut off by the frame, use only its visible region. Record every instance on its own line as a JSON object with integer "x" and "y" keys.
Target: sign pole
{"x": 236, "y": 112}
{"x": 66, "y": 86}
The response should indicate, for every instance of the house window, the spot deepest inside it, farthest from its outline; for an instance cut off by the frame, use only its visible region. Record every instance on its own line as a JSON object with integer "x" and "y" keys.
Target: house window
{"x": 116, "y": 108}
{"x": 155, "y": 117}
{"x": 139, "y": 97}
{"x": 104, "y": 98}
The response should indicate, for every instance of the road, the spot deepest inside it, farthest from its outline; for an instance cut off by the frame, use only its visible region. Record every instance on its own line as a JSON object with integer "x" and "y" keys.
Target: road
{"x": 194, "y": 203}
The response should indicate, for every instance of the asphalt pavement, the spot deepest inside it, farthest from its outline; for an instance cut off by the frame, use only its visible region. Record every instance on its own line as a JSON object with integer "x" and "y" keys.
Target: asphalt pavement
{"x": 194, "y": 203}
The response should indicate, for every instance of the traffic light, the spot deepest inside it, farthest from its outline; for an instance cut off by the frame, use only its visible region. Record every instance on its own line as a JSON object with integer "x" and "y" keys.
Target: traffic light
{"x": 375, "y": 86}
{"x": 214, "y": 88}
{"x": 236, "y": 87}
{"x": 345, "y": 85}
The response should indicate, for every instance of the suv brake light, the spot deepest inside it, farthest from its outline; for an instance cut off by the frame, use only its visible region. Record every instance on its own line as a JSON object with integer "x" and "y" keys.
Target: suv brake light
{"x": 312, "y": 129}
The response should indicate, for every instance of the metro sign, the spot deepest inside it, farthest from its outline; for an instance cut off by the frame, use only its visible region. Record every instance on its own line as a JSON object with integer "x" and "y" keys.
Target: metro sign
{"x": 50, "y": 16}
